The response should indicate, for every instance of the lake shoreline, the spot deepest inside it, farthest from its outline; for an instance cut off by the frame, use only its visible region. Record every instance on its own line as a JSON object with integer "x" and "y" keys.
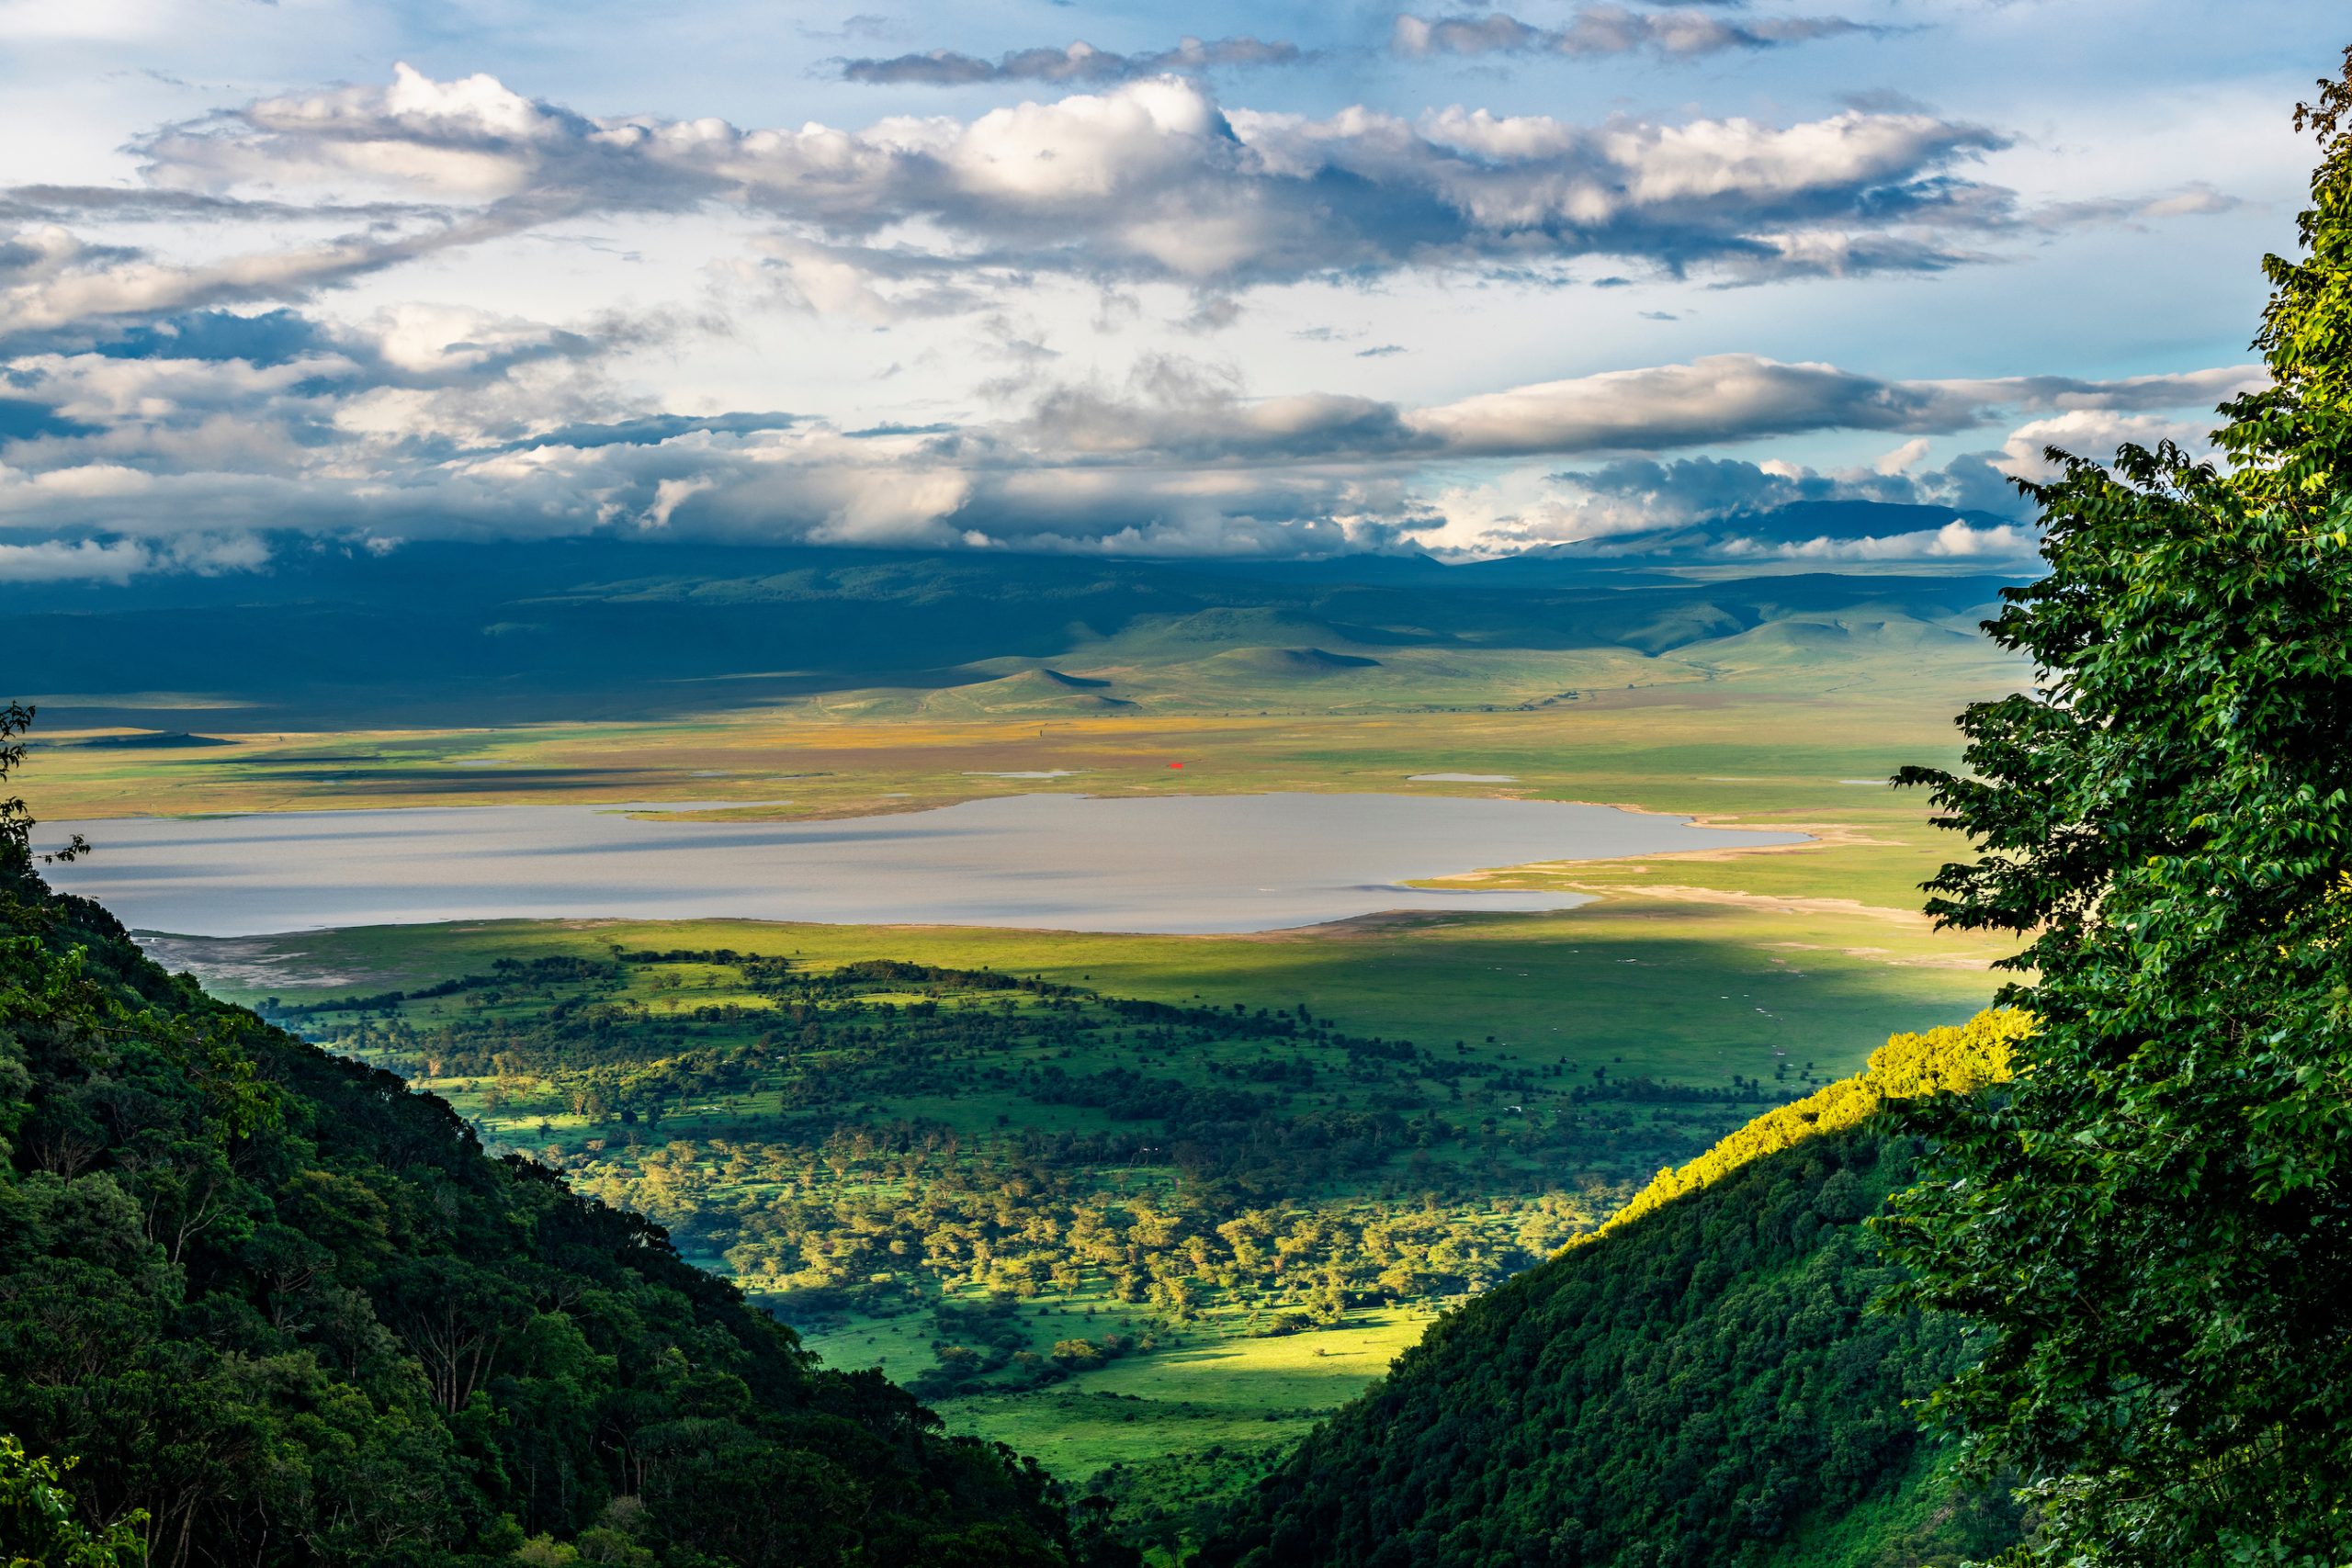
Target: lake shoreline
{"x": 1159, "y": 865}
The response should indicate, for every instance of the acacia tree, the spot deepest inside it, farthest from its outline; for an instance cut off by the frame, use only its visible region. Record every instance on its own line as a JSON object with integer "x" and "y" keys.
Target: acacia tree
{"x": 2153, "y": 1225}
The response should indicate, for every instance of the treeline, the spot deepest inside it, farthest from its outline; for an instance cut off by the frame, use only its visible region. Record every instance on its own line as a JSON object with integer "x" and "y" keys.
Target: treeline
{"x": 977, "y": 1338}
{"x": 1949, "y": 1061}
{"x": 1311, "y": 1105}
{"x": 527, "y": 972}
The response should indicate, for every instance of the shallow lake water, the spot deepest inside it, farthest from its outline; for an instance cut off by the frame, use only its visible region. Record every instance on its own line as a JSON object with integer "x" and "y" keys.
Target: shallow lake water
{"x": 1171, "y": 863}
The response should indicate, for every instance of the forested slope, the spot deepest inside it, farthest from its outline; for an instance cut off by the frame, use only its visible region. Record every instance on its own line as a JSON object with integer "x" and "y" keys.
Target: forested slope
{"x": 1703, "y": 1385}
{"x": 292, "y": 1313}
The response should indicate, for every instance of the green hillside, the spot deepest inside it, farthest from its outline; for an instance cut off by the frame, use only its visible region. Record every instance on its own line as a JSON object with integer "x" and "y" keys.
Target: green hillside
{"x": 1703, "y": 1384}
{"x": 275, "y": 1309}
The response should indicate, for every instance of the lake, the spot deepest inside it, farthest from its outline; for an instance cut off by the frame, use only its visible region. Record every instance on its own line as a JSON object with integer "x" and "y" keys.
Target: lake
{"x": 1170, "y": 863}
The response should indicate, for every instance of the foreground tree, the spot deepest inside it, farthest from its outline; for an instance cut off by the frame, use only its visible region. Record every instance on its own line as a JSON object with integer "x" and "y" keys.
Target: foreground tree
{"x": 38, "y": 1527}
{"x": 2153, "y": 1223}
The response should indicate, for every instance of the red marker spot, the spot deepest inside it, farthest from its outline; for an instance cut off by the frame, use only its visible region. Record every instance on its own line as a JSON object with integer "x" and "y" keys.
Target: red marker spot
{"x": 1175, "y": 765}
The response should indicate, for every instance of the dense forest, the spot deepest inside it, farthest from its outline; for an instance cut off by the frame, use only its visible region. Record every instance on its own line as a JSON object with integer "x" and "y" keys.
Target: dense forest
{"x": 261, "y": 1305}
{"x": 862, "y": 1138}
{"x": 1707, "y": 1384}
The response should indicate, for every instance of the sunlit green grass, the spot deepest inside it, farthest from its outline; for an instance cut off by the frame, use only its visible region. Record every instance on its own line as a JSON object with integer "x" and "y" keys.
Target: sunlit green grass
{"x": 1687, "y": 990}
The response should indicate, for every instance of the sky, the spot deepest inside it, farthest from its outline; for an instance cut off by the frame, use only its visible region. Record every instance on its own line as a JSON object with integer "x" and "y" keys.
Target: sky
{"x": 1270, "y": 280}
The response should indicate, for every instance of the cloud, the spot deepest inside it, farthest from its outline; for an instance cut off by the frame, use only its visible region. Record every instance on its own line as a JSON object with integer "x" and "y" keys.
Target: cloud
{"x": 2196, "y": 199}
{"x": 1956, "y": 540}
{"x": 407, "y": 385}
{"x": 1721, "y": 399}
{"x": 1078, "y": 63}
{"x": 1150, "y": 179}
{"x": 1712, "y": 510}
{"x": 1603, "y": 31}
{"x": 864, "y": 283}
{"x": 120, "y": 560}
{"x": 1639, "y": 505}
{"x": 420, "y": 420}
{"x": 1211, "y": 313}
{"x": 1902, "y": 457}
{"x": 55, "y": 560}
{"x": 2094, "y": 433}
{"x": 1172, "y": 410}
{"x": 667, "y": 496}
{"x": 2131, "y": 394}
{"x": 50, "y": 278}
{"x": 651, "y": 430}
{"x": 1636, "y": 494}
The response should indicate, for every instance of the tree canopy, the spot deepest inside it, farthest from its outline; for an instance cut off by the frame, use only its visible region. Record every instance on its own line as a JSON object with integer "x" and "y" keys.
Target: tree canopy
{"x": 2153, "y": 1221}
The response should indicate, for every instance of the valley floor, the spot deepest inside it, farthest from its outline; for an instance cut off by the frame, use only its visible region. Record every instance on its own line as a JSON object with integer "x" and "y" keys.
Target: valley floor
{"x": 1154, "y": 1210}
{"x": 1557, "y": 1061}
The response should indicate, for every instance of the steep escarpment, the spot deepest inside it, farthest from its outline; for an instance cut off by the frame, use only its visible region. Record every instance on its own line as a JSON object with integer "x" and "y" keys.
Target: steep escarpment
{"x": 1707, "y": 1383}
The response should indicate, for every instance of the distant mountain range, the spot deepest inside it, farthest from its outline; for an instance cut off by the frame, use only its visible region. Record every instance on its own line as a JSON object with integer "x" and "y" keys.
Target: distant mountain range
{"x": 610, "y": 627}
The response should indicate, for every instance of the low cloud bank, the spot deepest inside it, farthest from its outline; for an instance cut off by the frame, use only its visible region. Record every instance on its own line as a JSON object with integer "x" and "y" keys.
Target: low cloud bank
{"x": 435, "y": 421}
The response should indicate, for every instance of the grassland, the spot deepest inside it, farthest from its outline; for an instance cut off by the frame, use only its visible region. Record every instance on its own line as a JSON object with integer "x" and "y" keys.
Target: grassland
{"x": 1690, "y": 990}
{"x": 1742, "y": 726}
